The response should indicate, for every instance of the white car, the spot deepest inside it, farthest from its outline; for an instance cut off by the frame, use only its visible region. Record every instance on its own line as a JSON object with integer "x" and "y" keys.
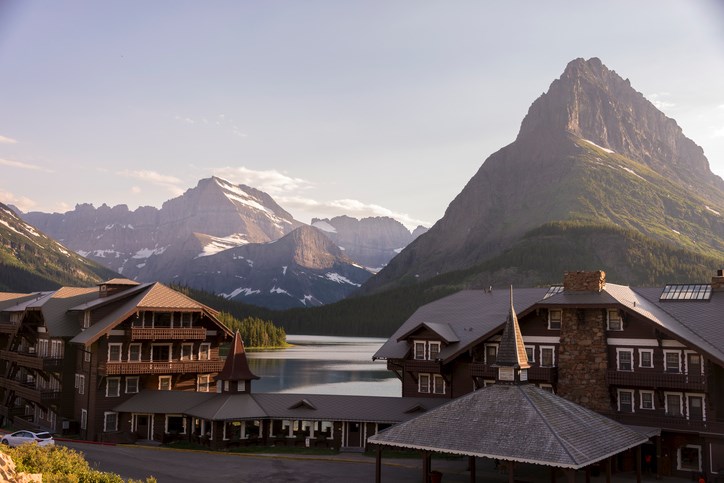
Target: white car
{"x": 21, "y": 437}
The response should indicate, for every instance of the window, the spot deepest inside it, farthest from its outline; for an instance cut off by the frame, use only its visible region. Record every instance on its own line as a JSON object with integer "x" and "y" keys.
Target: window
{"x": 672, "y": 361}
{"x": 113, "y": 387}
{"x": 161, "y": 352}
{"x": 530, "y": 353}
{"x": 164, "y": 383}
{"x": 613, "y": 320}
{"x": 693, "y": 363}
{"x": 81, "y": 384}
{"x": 695, "y": 407}
{"x": 131, "y": 384}
{"x": 83, "y": 419}
{"x": 491, "y": 354}
{"x": 625, "y": 401}
{"x": 673, "y": 404}
{"x": 187, "y": 352}
{"x": 555, "y": 316}
{"x": 547, "y": 356}
{"x": 419, "y": 350}
{"x": 423, "y": 383}
{"x": 205, "y": 351}
{"x": 86, "y": 319}
{"x": 203, "y": 383}
{"x": 56, "y": 349}
{"x": 647, "y": 399}
{"x": 438, "y": 384}
{"x": 434, "y": 350}
{"x": 689, "y": 458}
{"x": 110, "y": 421}
{"x": 114, "y": 352}
{"x": 624, "y": 359}
{"x": 175, "y": 424}
{"x": 162, "y": 319}
{"x": 646, "y": 358}
{"x": 134, "y": 352}
{"x": 240, "y": 386}
{"x": 185, "y": 319}
{"x": 86, "y": 356}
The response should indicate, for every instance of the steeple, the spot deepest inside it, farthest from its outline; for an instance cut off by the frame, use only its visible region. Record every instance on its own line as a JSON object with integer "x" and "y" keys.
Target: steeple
{"x": 236, "y": 376}
{"x": 512, "y": 361}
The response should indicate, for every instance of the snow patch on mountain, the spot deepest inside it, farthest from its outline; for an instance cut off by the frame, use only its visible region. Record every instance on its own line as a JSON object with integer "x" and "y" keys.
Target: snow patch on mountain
{"x": 219, "y": 244}
{"x": 600, "y": 147}
{"x": 335, "y": 277}
{"x": 278, "y": 290}
{"x": 245, "y": 290}
{"x": 284, "y": 270}
{"x": 629, "y": 170}
{"x": 324, "y": 226}
{"x": 147, "y": 252}
{"x": 713, "y": 211}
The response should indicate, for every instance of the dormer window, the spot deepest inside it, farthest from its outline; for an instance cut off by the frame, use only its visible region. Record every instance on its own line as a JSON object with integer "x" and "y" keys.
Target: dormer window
{"x": 419, "y": 350}
{"x": 613, "y": 320}
{"x": 426, "y": 350}
{"x": 434, "y": 350}
{"x": 555, "y": 316}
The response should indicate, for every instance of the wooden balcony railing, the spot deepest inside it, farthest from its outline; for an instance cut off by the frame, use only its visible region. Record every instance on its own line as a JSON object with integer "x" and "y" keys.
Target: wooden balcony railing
{"x": 548, "y": 375}
{"x": 33, "y": 361}
{"x": 478, "y": 369}
{"x": 675, "y": 423}
{"x": 167, "y": 333}
{"x": 663, "y": 380}
{"x": 30, "y": 392}
{"x": 8, "y": 328}
{"x": 173, "y": 367}
{"x": 415, "y": 365}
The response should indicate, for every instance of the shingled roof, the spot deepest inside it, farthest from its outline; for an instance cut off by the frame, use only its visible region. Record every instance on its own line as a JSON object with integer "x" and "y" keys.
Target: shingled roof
{"x": 236, "y": 367}
{"x": 520, "y": 423}
{"x": 511, "y": 352}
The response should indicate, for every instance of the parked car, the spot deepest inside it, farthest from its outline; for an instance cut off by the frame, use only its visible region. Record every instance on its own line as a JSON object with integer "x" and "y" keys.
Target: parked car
{"x": 17, "y": 438}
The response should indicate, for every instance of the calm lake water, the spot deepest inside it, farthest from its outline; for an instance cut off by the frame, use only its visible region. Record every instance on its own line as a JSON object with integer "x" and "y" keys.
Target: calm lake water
{"x": 324, "y": 365}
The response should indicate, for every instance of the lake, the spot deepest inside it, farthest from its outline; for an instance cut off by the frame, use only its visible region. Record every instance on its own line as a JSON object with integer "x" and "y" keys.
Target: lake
{"x": 324, "y": 365}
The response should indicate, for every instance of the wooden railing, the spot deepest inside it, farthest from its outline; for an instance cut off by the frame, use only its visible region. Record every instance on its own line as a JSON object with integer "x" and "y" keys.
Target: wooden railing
{"x": 30, "y": 392}
{"x": 168, "y": 333}
{"x": 173, "y": 367}
{"x": 548, "y": 375}
{"x": 33, "y": 361}
{"x": 676, "y": 423}
{"x": 8, "y": 328}
{"x": 420, "y": 365}
{"x": 667, "y": 380}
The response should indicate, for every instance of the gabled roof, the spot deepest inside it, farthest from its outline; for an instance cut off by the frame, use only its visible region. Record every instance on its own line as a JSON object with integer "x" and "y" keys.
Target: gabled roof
{"x": 236, "y": 367}
{"x": 101, "y": 301}
{"x": 55, "y": 310}
{"x": 163, "y": 297}
{"x": 119, "y": 281}
{"x": 443, "y": 329}
{"x": 9, "y": 300}
{"x": 519, "y": 423}
{"x": 473, "y": 315}
{"x": 228, "y": 406}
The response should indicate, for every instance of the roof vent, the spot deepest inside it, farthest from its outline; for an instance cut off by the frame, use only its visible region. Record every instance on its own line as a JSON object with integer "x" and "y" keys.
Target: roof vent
{"x": 717, "y": 283}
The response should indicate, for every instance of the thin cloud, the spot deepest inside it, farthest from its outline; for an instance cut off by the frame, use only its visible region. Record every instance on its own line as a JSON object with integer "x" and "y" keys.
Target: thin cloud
{"x": 658, "y": 100}
{"x": 20, "y": 165}
{"x": 169, "y": 183}
{"x": 7, "y": 140}
{"x": 271, "y": 181}
{"x": 23, "y": 203}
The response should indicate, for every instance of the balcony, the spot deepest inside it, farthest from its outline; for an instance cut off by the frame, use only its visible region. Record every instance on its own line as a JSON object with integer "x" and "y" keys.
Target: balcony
{"x": 30, "y": 392}
{"x": 661, "y": 380}
{"x": 478, "y": 369}
{"x": 8, "y": 328}
{"x": 548, "y": 375}
{"x": 33, "y": 361}
{"x": 172, "y": 367}
{"x": 673, "y": 423}
{"x": 168, "y": 333}
{"x": 421, "y": 365}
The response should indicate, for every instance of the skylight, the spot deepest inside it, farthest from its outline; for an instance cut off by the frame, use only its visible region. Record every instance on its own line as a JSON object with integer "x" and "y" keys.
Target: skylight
{"x": 555, "y": 289}
{"x": 686, "y": 292}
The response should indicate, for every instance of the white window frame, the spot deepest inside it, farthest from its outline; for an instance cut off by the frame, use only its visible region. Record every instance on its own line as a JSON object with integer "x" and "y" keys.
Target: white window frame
{"x": 140, "y": 349}
{"x": 415, "y": 345}
{"x": 83, "y": 419}
{"x": 531, "y": 358}
{"x": 199, "y": 382}
{"x": 429, "y": 349}
{"x": 183, "y": 418}
{"x": 423, "y": 389}
{"x": 164, "y": 378}
{"x": 240, "y": 386}
{"x": 678, "y": 457}
{"x": 686, "y": 361}
{"x": 170, "y": 352}
{"x": 630, "y": 392}
{"x": 108, "y": 386}
{"x": 628, "y": 351}
{"x": 678, "y": 353}
{"x": 106, "y": 429}
{"x": 190, "y": 355}
{"x": 681, "y": 403}
{"x": 81, "y": 383}
{"x": 138, "y": 382}
{"x": 609, "y": 318}
{"x": 487, "y": 346}
{"x": 650, "y": 352}
{"x": 205, "y": 347}
{"x": 559, "y": 319}
{"x": 115, "y": 345}
{"x": 641, "y": 400}
{"x": 86, "y": 319}
{"x": 437, "y": 379}
{"x": 553, "y": 354}
{"x": 703, "y": 404}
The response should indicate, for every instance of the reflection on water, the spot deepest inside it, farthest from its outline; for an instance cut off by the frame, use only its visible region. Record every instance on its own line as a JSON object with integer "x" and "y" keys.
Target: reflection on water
{"x": 324, "y": 365}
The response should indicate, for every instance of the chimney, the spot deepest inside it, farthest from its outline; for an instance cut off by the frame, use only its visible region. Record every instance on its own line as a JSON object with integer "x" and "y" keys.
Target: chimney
{"x": 584, "y": 281}
{"x": 717, "y": 282}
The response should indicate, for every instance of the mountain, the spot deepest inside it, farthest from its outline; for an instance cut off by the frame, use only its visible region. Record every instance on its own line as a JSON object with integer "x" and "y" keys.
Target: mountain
{"x": 592, "y": 156}
{"x": 303, "y": 268}
{"x": 372, "y": 242}
{"x": 31, "y": 261}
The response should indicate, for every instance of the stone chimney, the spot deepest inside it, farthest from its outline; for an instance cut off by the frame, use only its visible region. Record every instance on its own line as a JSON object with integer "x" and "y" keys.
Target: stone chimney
{"x": 584, "y": 281}
{"x": 717, "y": 282}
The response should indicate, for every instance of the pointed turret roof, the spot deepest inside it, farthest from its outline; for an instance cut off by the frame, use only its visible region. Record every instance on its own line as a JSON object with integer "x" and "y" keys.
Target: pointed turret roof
{"x": 236, "y": 367}
{"x": 511, "y": 352}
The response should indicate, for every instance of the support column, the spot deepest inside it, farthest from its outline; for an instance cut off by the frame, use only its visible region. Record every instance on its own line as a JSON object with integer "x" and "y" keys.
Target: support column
{"x": 425, "y": 467}
{"x": 638, "y": 464}
{"x": 608, "y": 469}
{"x": 571, "y": 476}
{"x": 378, "y": 465}
{"x": 588, "y": 474}
{"x": 553, "y": 475}
{"x": 471, "y": 467}
{"x": 511, "y": 472}
{"x": 658, "y": 456}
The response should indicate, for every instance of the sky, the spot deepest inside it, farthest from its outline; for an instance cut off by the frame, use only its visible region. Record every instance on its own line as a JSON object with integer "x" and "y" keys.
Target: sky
{"x": 363, "y": 108}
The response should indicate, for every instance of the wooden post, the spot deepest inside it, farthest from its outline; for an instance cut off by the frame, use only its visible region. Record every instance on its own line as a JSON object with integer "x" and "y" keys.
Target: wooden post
{"x": 608, "y": 469}
{"x": 571, "y": 476}
{"x": 588, "y": 474}
{"x": 378, "y": 465}
{"x": 471, "y": 467}
{"x": 638, "y": 464}
{"x": 658, "y": 456}
{"x": 425, "y": 468}
{"x": 553, "y": 474}
{"x": 511, "y": 472}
